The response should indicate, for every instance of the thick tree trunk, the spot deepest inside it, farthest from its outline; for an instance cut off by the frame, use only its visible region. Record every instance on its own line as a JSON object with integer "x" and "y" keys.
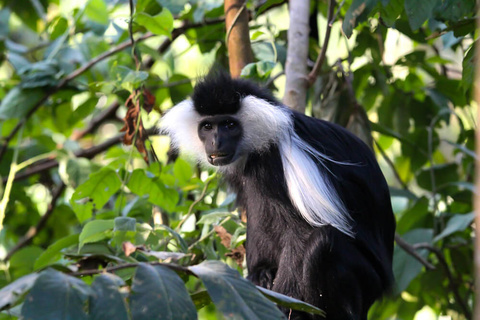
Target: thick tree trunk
{"x": 238, "y": 37}
{"x": 297, "y": 54}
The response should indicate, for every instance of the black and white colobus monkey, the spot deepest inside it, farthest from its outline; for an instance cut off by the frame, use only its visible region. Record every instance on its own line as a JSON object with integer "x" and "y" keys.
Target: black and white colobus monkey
{"x": 320, "y": 226}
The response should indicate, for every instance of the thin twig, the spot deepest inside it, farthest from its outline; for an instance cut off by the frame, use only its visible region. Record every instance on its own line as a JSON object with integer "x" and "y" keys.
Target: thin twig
{"x": 194, "y": 203}
{"x": 391, "y": 165}
{"x": 174, "y": 267}
{"x": 33, "y": 231}
{"x": 321, "y": 58}
{"x": 97, "y": 121}
{"x": 408, "y": 248}
{"x": 452, "y": 283}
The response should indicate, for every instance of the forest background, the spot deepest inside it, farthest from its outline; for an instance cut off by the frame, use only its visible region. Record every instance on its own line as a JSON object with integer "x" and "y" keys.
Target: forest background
{"x": 96, "y": 211}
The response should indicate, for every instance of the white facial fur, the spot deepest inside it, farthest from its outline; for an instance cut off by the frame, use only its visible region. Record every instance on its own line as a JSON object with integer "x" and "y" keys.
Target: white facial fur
{"x": 264, "y": 124}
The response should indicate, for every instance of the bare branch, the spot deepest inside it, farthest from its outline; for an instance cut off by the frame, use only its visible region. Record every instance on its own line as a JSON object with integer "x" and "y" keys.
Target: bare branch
{"x": 451, "y": 279}
{"x": 297, "y": 54}
{"x": 312, "y": 76}
{"x": 411, "y": 250}
{"x": 174, "y": 267}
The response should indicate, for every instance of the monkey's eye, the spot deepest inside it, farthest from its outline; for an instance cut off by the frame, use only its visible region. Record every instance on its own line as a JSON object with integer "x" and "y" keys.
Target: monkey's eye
{"x": 207, "y": 126}
{"x": 231, "y": 124}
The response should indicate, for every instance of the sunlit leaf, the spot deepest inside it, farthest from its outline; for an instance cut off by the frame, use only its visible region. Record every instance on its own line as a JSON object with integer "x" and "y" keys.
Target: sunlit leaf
{"x": 161, "y": 24}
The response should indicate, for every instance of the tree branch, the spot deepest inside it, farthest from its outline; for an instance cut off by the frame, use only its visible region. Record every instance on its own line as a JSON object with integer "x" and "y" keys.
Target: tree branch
{"x": 411, "y": 250}
{"x": 174, "y": 267}
{"x": 297, "y": 54}
{"x": 238, "y": 38}
{"x": 451, "y": 280}
{"x": 33, "y": 231}
{"x": 312, "y": 76}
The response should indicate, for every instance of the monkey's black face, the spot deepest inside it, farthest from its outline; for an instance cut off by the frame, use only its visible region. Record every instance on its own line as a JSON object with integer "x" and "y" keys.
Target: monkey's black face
{"x": 221, "y": 136}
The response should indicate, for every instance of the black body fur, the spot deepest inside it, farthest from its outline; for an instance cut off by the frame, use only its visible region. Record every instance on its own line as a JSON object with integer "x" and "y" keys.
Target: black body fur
{"x": 320, "y": 265}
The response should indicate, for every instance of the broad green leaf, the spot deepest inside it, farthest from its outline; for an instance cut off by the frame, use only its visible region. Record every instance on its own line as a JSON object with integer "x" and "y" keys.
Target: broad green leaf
{"x": 234, "y": 296}
{"x": 95, "y": 230}
{"x": 174, "y": 6}
{"x": 182, "y": 88}
{"x": 97, "y": 11}
{"x": 125, "y": 224}
{"x": 18, "y": 102}
{"x": 213, "y": 217}
{"x": 201, "y": 299}
{"x": 106, "y": 301}
{"x": 443, "y": 174}
{"x": 53, "y": 252}
{"x": 182, "y": 170}
{"x": 161, "y": 24}
{"x": 356, "y": 13}
{"x": 4, "y": 19}
{"x": 468, "y": 70}
{"x": 454, "y": 10}
{"x": 56, "y": 296}
{"x": 289, "y": 302}
{"x": 159, "y": 293}
{"x": 75, "y": 171}
{"x": 14, "y": 291}
{"x": 58, "y": 27}
{"x": 390, "y": 11}
{"x": 458, "y": 222}
{"x": 406, "y": 267}
{"x": 181, "y": 242}
{"x": 267, "y": 4}
{"x": 141, "y": 184}
{"x": 97, "y": 190}
{"x": 414, "y": 216}
{"x": 419, "y": 11}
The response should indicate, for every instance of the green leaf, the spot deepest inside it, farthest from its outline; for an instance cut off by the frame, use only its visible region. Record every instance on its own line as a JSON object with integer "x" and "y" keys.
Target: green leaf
{"x": 18, "y": 102}
{"x": 53, "y": 252}
{"x": 97, "y": 11}
{"x": 14, "y": 291}
{"x": 267, "y": 4}
{"x": 458, "y": 222}
{"x": 406, "y": 267}
{"x": 181, "y": 242}
{"x": 161, "y": 24}
{"x": 106, "y": 293}
{"x": 125, "y": 224}
{"x": 182, "y": 170}
{"x": 4, "y": 19}
{"x": 234, "y": 296}
{"x": 419, "y": 11}
{"x": 468, "y": 70}
{"x": 95, "y": 230}
{"x": 56, "y": 296}
{"x": 443, "y": 174}
{"x": 97, "y": 190}
{"x": 182, "y": 88}
{"x": 159, "y": 293}
{"x": 356, "y": 13}
{"x": 289, "y": 302}
{"x": 201, "y": 299}
{"x": 213, "y": 217}
{"x": 75, "y": 171}
{"x": 390, "y": 11}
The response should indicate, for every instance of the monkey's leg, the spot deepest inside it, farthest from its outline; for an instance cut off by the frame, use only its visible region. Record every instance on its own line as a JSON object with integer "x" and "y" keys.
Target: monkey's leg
{"x": 338, "y": 277}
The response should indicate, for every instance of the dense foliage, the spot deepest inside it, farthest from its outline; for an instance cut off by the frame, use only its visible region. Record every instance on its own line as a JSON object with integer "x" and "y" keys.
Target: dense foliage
{"x": 79, "y": 197}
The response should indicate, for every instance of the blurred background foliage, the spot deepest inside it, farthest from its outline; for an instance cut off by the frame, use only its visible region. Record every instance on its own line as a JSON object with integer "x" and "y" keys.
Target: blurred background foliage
{"x": 76, "y": 200}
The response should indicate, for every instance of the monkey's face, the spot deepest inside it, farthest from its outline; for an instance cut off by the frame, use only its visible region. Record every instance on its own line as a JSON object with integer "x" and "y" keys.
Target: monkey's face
{"x": 221, "y": 136}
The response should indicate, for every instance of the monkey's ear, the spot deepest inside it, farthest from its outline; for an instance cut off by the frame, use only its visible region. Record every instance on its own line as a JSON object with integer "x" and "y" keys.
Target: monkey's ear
{"x": 180, "y": 123}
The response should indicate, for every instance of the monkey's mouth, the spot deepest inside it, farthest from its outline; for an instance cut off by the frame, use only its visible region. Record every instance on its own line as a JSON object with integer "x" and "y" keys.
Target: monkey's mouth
{"x": 219, "y": 159}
